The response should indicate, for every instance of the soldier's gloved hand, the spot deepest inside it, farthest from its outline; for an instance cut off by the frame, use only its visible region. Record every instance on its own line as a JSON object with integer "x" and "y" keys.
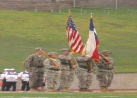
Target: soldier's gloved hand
{"x": 71, "y": 53}
{"x": 92, "y": 70}
{"x": 57, "y": 67}
{"x": 73, "y": 66}
{"x": 109, "y": 63}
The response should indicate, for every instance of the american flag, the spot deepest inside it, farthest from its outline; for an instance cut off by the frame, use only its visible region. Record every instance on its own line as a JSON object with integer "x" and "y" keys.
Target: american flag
{"x": 74, "y": 39}
{"x": 90, "y": 49}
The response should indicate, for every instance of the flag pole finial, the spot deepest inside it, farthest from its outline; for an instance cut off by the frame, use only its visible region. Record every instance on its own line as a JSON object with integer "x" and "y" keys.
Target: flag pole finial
{"x": 91, "y": 14}
{"x": 69, "y": 10}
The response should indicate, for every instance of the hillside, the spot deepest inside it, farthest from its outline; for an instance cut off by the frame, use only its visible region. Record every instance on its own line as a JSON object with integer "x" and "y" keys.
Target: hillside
{"x": 21, "y": 32}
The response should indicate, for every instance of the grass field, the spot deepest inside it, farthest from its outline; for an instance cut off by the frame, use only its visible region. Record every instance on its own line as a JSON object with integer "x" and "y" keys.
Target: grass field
{"x": 68, "y": 95}
{"x": 21, "y": 32}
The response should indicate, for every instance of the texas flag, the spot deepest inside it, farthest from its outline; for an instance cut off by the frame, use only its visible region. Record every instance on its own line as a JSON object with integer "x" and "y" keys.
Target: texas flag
{"x": 90, "y": 49}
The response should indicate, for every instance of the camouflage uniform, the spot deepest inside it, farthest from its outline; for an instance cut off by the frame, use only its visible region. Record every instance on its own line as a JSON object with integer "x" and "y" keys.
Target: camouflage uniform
{"x": 70, "y": 78}
{"x": 52, "y": 74}
{"x": 105, "y": 71}
{"x": 83, "y": 73}
{"x": 68, "y": 73}
{"x": 35, "y": 63}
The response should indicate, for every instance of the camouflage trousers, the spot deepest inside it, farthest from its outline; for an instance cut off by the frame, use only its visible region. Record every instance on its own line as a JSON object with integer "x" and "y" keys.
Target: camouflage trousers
{"x": 52, "y": 79}
{"x": 85, "y": 78}
{"x": 67, "y": 78}
{"x": 104, "y": 78}
{"x": 71, "y": 78}
{"x": 36, "y": 79}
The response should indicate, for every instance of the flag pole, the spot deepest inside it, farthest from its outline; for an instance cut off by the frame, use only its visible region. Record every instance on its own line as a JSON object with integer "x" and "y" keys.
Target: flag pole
{"x": 91, "y": 65}
{"x": 72, "y": 57}
{"x": 84, "y": 50}
{"x": 55, "y": 64}
{"x": 69, "y": 12}
{"x": 91, "y": 14}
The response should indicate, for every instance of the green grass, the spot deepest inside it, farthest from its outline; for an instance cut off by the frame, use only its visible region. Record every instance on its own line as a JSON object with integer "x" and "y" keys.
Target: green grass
{"x": 21, "y": 32}
{"x": 68, "y": 95}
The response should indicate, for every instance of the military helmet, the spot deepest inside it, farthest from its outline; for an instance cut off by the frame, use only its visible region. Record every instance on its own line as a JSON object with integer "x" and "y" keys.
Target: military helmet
{"x": 52, "y": 53}
{"x": 38, "y": 49}
{"x": 65, "y": 49}
{"x": 105, "y": 51}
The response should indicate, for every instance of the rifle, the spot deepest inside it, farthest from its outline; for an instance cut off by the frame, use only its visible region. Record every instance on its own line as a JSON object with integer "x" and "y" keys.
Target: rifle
{"x": 48, "y": 57}
{"x": 106, "y": 60}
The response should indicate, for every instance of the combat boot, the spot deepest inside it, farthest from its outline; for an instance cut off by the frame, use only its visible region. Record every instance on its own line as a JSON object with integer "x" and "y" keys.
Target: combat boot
{"x": 63, "y": 89}
{"x": 110, "y": 90}
{"x": 82, "y": 89}
{"x": 54, "y": 90}
{"x": 67, "y": 89}
{"x": 50, "y": 89}
{"x": 103, "y": 89}
{"x": 107, "y": 90}
{"x": 32, "y": 90}
{"x": 38, "y": 89}
{"x": 87, "y": 90}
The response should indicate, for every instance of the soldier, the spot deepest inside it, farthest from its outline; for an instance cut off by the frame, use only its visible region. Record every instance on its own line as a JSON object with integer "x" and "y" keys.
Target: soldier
{"x": 34, "y": 64}
{"x": 24, "y": 77}
{"x": 105, "y": 70}
{"x": 84, "y": 72}
{"x": 52, "y": 72}
{"x": 68, "y": 64}
{"x": 11, "y": 79}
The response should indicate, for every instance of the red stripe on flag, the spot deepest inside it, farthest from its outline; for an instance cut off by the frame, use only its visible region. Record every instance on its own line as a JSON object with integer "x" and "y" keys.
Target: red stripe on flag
{"x": 74, "y": 43}
{"x": 75, "y": 32}
{"x": 74, "y": 38}
{"x": 81, "y": 48}
{"x": 79, "y": 43}
{"x": 71, "y": 36}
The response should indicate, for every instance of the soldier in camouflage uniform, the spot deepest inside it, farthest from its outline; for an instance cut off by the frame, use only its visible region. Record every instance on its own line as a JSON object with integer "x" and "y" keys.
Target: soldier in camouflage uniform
{"x": 35, "y": 66}
{"x": 67, "y": 69}
{"x": 52, "y": 72}
{"x": 105, "y": 71}
{"x": 84, "y": 72}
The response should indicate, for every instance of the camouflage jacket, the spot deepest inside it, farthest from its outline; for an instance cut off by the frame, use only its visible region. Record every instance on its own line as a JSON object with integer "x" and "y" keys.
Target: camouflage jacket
{"x": 66, "y": 62}
{"x": 34, "y": 61}
{"x": 103, "y": 66}
{"x": 49, "y": 65}
{"x": 84, "y": 63}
